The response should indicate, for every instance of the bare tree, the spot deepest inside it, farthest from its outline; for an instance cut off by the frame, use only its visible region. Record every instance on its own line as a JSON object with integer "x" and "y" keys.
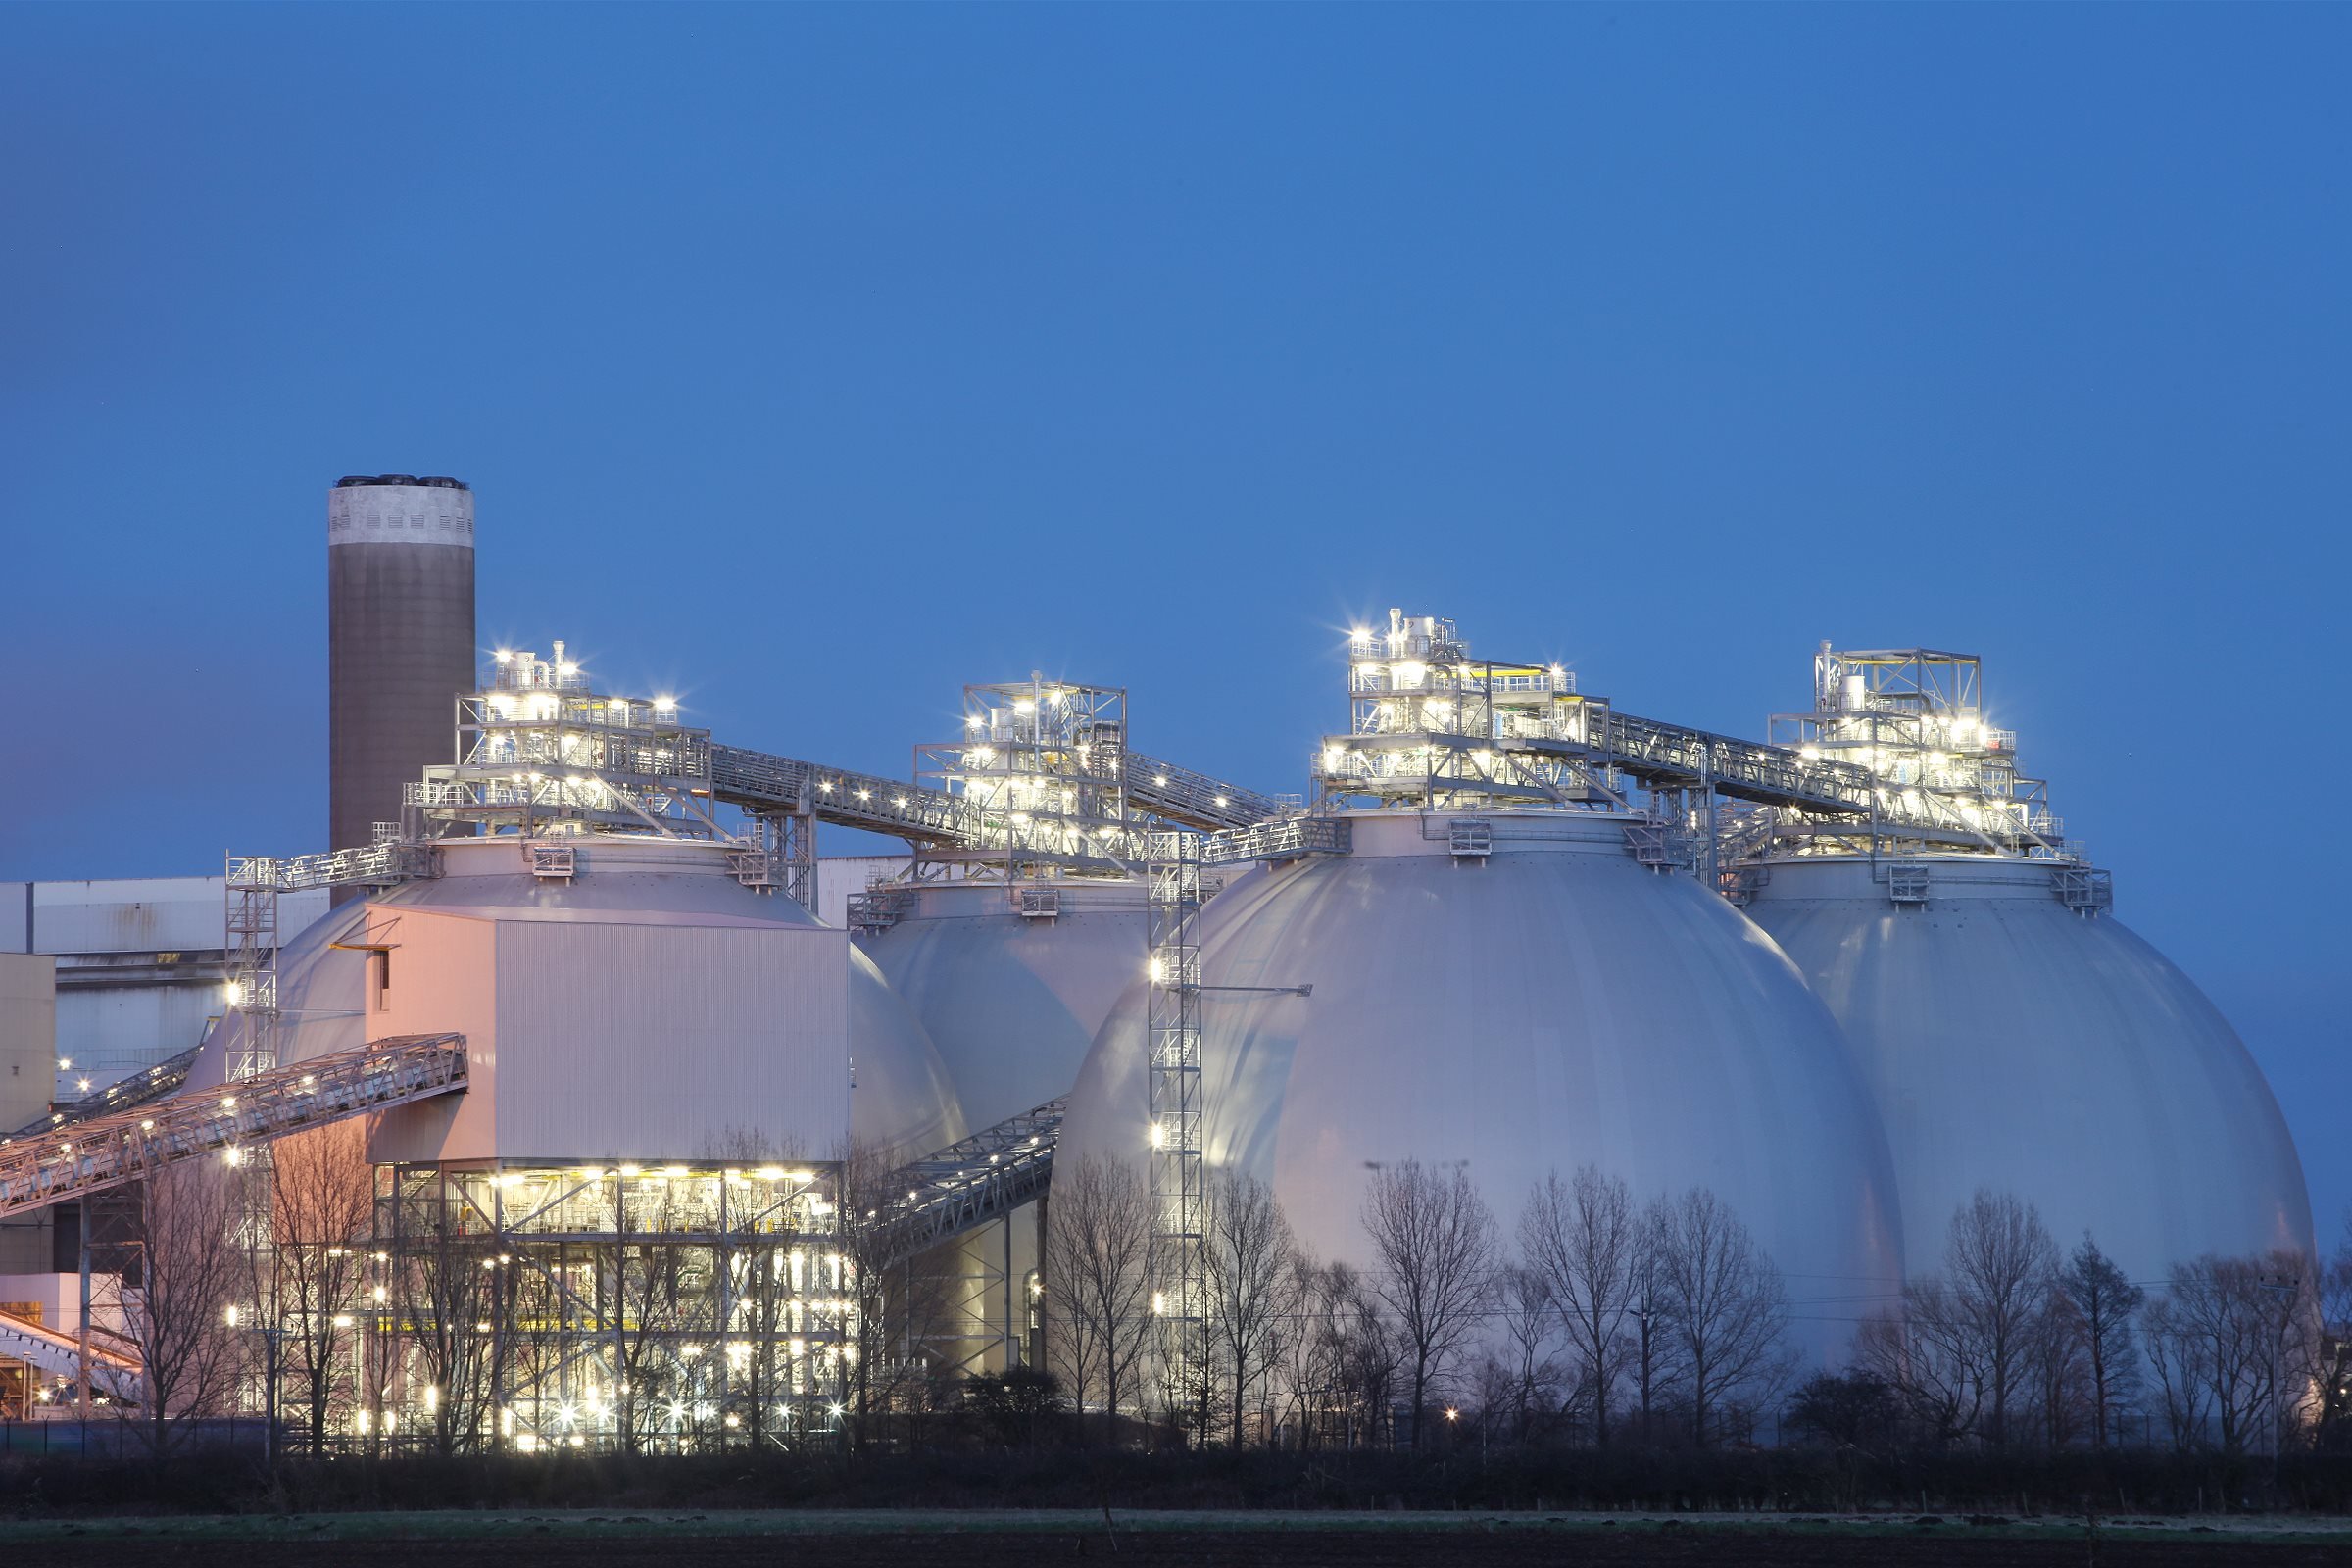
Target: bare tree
{"x": 2058, "y": 1359}
{"x": 1584, "y": 1238}
{"x": 2228, "y": 1341}
{"x": 1725, "y": 1308}
{"x": 2104, "y": 1302}
{"x": 1370, "y": 1351}
{"x": 1433, "y": 1239}
{"x": 1309, "y": 1371}
{"x": 902, "y": 1305}
{"x": 177, "y": 1296}
{"x": 2207, "y": 1343}
{"x": 1094, "y": 1257}
{"x": 2002, "y": 1266}
{"x": 1246, "y": 1272}
{"x": 311, "y": 1277}
{"x": 446, "y": 1288}
{"x": 1524, "y": 1382}
{"x": 659, "y": 1320}
{"x": 1926, "y": 1353}
{"x": 2179, "y": 1354}
{"x": 2331, "y": 1369}
{"x": 751, "y": 1315}
{"x": 1646, "y": 1352}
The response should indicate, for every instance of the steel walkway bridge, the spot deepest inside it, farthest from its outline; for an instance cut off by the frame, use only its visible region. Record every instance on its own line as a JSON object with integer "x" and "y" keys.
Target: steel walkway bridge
{"x": 90, "y": 1156}
{"x": 964, "y": 1185}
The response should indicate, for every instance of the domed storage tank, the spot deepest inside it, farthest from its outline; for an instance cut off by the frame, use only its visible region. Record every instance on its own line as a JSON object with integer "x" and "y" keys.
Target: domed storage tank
{"x": 901, "y": 1097}
{"x": 1013, "y": 1004}
{"x": 1552, "y": 1006}
{"x": 2011, "y": 1043}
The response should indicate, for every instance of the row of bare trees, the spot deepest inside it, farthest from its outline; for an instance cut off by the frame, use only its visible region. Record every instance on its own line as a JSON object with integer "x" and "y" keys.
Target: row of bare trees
{"x": 227, "y": 1278}
{"x": 2012, "y": 1343}
{"x": 1670, "y": 1307}
{"x": 1608, "y": 1317}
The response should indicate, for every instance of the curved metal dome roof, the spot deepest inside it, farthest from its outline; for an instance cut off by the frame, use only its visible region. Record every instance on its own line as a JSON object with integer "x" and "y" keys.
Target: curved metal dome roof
{"x": 1013, "y": 1005}
{"x": 2010, "y": 1043}
{"x": 1556, "y": 1006}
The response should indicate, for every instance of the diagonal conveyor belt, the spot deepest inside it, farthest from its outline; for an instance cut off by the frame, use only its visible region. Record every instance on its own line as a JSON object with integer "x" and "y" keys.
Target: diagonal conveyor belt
{"x": 108, "y": 1150}
{"x": 965, "y": 1185}
{"x": 60, "y": 1356}
{"x": 761, "y": 781}
{"x": 152, "y": 1083}
{"x": 1192, "y": 800}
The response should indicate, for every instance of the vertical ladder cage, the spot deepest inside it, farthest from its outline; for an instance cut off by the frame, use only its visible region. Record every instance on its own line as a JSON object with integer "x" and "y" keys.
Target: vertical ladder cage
{"x": 1177, "y": 1284}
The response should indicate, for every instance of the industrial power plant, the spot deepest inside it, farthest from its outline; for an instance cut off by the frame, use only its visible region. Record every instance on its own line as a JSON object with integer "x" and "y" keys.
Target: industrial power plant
{"x": 666, "y": 1131}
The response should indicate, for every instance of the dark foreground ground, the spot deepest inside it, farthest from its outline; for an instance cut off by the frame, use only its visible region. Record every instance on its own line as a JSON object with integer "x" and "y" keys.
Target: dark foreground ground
{"x": 894, "y": 1540}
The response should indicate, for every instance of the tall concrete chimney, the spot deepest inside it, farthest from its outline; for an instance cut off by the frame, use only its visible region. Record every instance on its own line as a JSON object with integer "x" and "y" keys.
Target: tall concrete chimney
{"x": 399, "y": 641}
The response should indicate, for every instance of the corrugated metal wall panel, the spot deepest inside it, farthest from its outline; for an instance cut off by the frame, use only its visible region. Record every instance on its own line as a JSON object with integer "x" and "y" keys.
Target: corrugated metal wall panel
{"x": 111, "y": 1030}
{"x": 136, "y": 914}
{"x": 658, "y": 1042}
{"x": 28, "y": 1036}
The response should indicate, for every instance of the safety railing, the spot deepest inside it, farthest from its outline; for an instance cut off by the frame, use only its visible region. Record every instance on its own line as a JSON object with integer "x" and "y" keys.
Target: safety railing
{"x": 107, "y": 1151}
{"x": 962, "y": 1187}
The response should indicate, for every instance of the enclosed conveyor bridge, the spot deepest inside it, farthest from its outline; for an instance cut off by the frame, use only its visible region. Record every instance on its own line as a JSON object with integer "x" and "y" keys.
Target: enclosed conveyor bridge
{"x": 1432, "y": 726}
{"x": 964, "y": 1185}
{"x": 90, "y": 1156}
{"x": 150, "y": 1082}
{"x": 760, "y": 781}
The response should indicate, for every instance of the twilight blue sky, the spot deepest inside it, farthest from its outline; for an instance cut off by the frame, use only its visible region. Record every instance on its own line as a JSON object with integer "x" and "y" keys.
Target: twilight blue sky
{"x": 813, "y": 361}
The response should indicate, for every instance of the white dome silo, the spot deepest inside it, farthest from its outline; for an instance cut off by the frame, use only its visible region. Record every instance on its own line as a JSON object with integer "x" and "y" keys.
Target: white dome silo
{"x": 1554, "y": 1006}
{"x": 2011, "y": 1043}
{"x": 1013, "y": 1004}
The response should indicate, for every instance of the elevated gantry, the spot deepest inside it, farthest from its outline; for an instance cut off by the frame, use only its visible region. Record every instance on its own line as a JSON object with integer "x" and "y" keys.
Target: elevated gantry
{"x": 1895, "y": 759}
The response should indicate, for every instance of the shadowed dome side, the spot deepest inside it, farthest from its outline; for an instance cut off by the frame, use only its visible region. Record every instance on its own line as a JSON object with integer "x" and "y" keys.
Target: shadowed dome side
{"x": 2012, "y": 1044}
{"x": 1012, "y": 1004}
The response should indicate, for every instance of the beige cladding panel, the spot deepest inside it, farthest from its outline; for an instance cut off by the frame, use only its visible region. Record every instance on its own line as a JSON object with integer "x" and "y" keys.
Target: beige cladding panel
{"x": 669, "y": 1042}
{"x": 28, "y": 1036}
{"x": 434, "y": 974}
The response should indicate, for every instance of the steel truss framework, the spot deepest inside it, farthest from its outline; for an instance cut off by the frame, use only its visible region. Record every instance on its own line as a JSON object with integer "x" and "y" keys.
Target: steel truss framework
{"x": 60, "y": 1356}
{"x": 965, "y": 1185}
{"x": 1895, "y": 761}
{"x": 147, "y": 1084}
{"x": 1040, "y": 772}
{"x": 1178, "y": 1174}
{"x": 1040, "y": 783}
{"x": 549, "y": 1307}
{"x": 108, "y": 1150}
{"x": 1176, "y": 1101}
